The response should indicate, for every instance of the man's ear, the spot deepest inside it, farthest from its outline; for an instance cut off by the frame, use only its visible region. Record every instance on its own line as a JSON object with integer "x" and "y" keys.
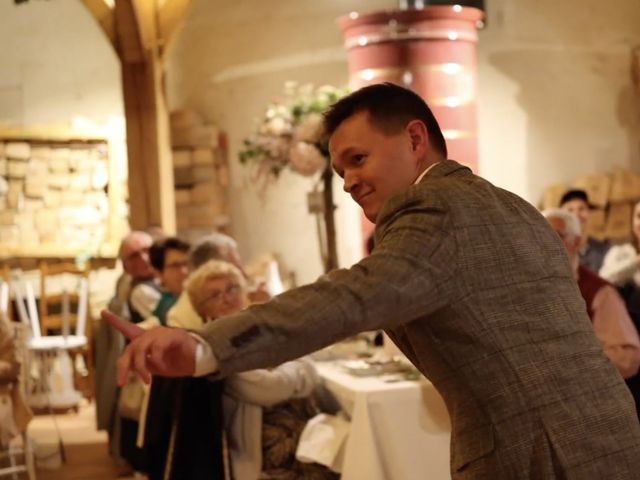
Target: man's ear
{"x": 419, "y": 136}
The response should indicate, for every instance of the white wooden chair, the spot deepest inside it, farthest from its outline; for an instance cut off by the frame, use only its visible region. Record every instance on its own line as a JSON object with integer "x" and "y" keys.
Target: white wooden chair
{"x": 30, "y": 317}
{"x": 63, "y": 304}
{"x": 49, "y": 349}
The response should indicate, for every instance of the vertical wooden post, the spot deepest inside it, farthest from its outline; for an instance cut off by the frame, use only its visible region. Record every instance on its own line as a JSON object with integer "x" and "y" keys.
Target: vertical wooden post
{"x": 140, "y": 31}
{"x": 331, "y": 262}
{"x": 151, "y": 198}
{"x": 151, "y": 195}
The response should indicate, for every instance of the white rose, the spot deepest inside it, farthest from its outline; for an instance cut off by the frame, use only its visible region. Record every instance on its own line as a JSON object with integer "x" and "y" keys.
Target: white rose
{"x": 306, "y": 159}
{"x": 276, "y": 126}
{"x": 276, "y": 146}
{"x": 309, "y": 129}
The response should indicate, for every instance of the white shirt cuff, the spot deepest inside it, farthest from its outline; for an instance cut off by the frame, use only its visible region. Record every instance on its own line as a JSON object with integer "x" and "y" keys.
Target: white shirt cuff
{"x": 206, "y": 362}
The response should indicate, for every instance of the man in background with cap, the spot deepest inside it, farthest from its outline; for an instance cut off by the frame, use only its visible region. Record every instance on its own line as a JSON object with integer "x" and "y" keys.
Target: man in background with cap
{"x": 592, "y": 251}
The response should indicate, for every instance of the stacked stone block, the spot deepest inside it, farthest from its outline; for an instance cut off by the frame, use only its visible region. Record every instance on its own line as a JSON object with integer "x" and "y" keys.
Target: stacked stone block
{"x": 201, "y": 175}
{"x": 53, "y": 194}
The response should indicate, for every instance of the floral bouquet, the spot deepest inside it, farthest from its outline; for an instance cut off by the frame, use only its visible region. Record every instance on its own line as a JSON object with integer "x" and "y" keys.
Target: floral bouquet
{"x": 290, "y": 133}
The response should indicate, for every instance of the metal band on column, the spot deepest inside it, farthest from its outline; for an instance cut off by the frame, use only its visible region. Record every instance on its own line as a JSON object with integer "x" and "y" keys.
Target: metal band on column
{"x": 433, "y": 52}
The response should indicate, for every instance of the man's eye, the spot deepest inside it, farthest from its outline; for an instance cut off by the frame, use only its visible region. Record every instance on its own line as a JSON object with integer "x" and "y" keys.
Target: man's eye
{"x": 357, "y": 159}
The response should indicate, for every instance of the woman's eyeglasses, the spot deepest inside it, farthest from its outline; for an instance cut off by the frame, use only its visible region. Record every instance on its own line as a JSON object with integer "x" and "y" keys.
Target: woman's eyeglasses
{"x": 218, "y": 295}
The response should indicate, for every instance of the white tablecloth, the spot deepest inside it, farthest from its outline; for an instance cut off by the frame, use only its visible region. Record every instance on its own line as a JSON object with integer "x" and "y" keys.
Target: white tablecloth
{"x": 399, "y": 430}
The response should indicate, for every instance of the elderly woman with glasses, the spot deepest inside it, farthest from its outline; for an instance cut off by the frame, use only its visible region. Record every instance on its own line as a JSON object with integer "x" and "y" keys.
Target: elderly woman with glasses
{"x": 264, "y": 410}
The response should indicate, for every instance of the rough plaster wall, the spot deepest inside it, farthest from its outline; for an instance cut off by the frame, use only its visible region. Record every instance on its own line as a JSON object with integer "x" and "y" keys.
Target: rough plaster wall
{"x": 556, "y": 98}
{"x": 56, "y": 64}
{"x": 228, "y": 63}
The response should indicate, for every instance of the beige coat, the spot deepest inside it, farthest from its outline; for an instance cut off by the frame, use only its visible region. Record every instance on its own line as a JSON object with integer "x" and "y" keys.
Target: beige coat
{"x": 246, "y": 394}
{"x": 476, "y": 289}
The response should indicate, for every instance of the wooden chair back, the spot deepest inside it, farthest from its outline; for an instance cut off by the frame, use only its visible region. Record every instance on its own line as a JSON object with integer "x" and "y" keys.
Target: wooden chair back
{"x": 70, "y": 302}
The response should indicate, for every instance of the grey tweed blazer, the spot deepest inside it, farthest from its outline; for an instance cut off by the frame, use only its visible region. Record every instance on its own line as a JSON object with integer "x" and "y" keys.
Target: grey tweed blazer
{"x": 476, "y": 289}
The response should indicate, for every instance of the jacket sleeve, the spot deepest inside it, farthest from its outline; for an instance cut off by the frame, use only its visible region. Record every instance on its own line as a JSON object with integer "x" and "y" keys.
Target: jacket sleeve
{"x": 409, "y": 275}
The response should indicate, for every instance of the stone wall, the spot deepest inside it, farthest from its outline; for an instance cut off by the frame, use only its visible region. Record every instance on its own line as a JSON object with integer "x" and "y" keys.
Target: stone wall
{"x": 53, "y": 195}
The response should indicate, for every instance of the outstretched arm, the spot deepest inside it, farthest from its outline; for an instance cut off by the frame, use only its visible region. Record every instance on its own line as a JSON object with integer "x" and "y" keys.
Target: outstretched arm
{"x": 410, "y": 274}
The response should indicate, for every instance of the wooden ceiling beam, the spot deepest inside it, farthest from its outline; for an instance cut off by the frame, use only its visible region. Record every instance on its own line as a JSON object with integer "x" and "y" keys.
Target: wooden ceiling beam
{"x": 170, "y": 18}
{"x": 104, "y": 15}
{"x": 133, "y": 26}
{"x": 146, "y": 12}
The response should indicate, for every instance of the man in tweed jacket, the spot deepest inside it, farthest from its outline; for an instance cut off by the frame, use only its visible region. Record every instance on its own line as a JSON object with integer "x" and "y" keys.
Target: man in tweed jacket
{"x": 471, "y": 283}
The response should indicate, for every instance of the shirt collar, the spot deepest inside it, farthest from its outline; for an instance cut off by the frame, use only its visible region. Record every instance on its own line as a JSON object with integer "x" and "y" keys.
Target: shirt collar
{"x": 425, "y": 172}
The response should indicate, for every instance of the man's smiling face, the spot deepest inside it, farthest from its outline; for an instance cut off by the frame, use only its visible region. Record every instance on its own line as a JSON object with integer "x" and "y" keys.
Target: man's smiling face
{"x": 374, "y": 165}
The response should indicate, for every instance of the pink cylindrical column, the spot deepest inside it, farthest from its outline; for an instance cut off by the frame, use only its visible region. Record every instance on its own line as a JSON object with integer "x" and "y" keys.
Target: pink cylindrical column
{"x": 433, "y": 52}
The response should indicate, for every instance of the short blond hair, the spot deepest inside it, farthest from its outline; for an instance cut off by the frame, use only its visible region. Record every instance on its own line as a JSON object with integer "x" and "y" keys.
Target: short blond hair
{"x": 212, "y": 269}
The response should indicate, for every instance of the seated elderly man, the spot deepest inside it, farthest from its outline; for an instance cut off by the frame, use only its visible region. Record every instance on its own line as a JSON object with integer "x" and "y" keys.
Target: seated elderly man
{"x": 134, "y": 254}
{"x": 592, "y": 251}
{"x": 138, "y": 274}
{"x": 611, "y": 322}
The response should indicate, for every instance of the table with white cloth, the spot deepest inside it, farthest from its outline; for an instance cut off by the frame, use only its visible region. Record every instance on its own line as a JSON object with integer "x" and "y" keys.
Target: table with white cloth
{"x": 400, "y": 430}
